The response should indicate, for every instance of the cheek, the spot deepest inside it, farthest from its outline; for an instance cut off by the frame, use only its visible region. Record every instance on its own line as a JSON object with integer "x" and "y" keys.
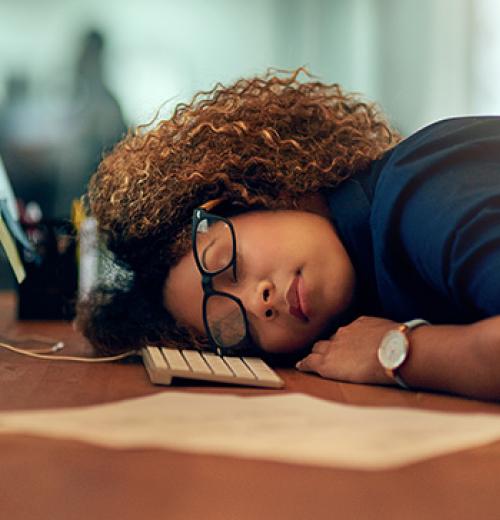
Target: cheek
{"x": 267, "y": 255}
{"x": 183, "y": 294}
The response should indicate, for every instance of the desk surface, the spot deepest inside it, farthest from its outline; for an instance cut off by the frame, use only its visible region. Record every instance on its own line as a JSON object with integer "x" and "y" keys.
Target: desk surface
{"x": 42, "y": 478}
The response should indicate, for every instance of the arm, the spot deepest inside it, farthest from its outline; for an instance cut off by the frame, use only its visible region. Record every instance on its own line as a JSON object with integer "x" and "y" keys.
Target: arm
{"x": 435, "y": 222}
{"x": 460, "y": 359}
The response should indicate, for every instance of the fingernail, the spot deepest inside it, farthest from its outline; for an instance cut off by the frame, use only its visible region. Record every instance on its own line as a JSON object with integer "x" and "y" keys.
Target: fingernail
{"x": 298, "y": 365}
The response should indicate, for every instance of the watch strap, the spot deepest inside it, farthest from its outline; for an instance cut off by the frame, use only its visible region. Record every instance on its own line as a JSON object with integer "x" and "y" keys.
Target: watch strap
{"x": 399, "y": 380}
{"x": 407, "y": 326}
{"x": 413, "y": 324}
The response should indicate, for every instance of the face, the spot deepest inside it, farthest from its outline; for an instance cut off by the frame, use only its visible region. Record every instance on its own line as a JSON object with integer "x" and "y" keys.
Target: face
{"x": 293, "y": 277}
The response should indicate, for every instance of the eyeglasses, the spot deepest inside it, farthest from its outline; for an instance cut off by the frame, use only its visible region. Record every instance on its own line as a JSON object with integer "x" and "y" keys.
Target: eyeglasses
{"x": 214, "y": 249}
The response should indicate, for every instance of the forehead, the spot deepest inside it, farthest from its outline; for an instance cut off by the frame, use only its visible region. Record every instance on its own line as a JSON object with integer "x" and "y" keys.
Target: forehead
{"x": 264, "y": 226}
{"x": 262, "y": 217}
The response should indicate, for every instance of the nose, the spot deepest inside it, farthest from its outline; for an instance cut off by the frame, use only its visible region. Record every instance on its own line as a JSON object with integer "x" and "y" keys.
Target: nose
{"x": 261, "y": 301}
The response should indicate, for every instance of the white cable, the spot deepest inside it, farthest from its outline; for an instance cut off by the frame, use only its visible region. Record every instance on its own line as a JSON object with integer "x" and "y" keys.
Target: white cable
{"x": 59, "y": 346}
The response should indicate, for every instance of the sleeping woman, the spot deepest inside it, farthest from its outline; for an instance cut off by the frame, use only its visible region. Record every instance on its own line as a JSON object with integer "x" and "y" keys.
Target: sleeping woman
{"x": 285, "y": 217}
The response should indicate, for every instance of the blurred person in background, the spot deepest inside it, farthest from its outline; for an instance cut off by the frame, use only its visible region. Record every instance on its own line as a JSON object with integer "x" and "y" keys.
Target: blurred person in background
{"x": 51, "y": 142}
{"x": 97, "y": 122}
{"x": 26, "y": 143}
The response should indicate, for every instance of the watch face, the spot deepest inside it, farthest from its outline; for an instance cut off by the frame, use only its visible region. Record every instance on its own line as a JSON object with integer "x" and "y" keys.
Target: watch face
{"x": 393, "y": 349}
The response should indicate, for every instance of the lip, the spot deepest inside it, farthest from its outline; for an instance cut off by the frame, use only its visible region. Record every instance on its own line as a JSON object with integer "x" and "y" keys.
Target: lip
{"x": 295, "y": 298}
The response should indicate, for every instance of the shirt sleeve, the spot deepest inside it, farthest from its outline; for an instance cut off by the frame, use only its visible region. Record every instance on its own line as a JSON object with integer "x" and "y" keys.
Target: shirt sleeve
{"x": 438, "y": 199}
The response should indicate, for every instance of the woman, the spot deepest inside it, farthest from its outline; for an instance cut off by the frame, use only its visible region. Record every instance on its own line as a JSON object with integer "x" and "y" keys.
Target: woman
{"x": 318, "y": 225}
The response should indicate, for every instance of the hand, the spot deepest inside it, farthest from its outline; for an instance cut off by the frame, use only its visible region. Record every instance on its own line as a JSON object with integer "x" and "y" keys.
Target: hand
{"x": 351, "y": 353}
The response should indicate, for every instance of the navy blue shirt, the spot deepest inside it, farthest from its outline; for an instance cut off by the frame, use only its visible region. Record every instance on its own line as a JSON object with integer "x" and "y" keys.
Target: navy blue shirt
{"x": 422, "y": 225}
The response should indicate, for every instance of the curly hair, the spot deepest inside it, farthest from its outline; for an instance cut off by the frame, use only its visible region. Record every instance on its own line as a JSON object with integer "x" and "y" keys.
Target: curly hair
{"x": 262, "y": 142}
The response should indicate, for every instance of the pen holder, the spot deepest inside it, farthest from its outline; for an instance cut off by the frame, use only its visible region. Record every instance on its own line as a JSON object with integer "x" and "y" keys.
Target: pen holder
{"x": 49, "y": 291}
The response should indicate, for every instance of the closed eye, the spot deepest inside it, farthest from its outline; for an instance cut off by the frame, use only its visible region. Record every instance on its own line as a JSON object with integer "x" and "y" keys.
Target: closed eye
{"x": 238, "y": 268}
{"x": 204, "y": 253}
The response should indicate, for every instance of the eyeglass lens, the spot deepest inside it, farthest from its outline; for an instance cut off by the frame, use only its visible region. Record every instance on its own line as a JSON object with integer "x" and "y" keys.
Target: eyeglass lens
{"x": 214, "y": 244}
{"x": 214, "y": 249}
{"x": 226, "y": 322}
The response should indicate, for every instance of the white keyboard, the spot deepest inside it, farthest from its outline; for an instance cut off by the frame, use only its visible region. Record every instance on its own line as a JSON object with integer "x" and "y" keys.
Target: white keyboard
{"x": 162, "y": 364}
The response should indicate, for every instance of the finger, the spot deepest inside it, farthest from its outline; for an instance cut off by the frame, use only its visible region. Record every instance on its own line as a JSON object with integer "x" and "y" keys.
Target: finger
{"x": 310, "y": 363}
{"x": 320, "y": 347}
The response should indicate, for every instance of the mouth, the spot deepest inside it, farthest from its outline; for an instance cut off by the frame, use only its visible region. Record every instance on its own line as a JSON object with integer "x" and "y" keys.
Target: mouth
{"x": 295, "y": 298}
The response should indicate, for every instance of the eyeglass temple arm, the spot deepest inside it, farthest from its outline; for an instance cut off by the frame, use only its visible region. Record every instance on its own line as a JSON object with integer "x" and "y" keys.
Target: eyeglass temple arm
{"x": 211, "y": 204}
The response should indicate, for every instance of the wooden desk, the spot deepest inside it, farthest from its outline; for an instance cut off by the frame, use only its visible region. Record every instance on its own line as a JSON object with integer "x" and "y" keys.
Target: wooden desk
{"x": 65, "y": 480}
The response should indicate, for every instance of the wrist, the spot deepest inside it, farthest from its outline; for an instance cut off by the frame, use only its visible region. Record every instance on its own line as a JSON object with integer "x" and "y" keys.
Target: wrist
{"x": 452, "y": 358}
{"x": 395, "y": 348}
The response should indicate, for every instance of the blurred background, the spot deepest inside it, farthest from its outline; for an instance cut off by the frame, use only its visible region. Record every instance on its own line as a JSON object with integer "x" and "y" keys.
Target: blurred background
{"x": 75, "y": 74}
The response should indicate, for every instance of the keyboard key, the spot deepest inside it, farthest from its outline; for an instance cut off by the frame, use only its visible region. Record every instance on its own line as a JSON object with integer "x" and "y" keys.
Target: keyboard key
{"x": 260, "y": 369}
{"x": 217, "y": 365}
{"x": 239, "y": 368}
{"x": 175, "y": 359}
{"x": 196, "y": 361}
{"x": 157, "y": 358}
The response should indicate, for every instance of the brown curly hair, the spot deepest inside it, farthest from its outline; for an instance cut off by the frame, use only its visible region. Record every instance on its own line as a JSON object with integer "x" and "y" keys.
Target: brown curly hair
{"x": 262, "y": 142}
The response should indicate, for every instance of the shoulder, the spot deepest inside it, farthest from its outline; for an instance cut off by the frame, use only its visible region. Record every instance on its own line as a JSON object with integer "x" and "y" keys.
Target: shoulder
{"x": 451, "y": 131}
{"x": 437, "y": 201}
{"x": 448, "y": 159}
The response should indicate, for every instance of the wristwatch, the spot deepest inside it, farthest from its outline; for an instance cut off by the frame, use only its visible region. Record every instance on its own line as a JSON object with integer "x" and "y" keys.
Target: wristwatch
{"x": 395, "y": 348}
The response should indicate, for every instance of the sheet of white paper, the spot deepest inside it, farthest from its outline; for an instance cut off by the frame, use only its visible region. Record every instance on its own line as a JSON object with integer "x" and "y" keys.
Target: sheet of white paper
{"x": 292, "y": 428}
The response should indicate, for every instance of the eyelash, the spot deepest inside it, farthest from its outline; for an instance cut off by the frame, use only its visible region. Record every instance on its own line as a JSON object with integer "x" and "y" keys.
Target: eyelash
{"x": 237, "y": 270}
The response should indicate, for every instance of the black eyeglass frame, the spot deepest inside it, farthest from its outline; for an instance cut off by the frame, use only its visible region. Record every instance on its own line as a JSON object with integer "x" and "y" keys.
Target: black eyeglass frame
{"x": 208, "y": 290}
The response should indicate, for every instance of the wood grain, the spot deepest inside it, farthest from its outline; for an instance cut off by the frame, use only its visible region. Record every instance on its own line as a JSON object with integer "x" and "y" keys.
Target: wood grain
{"x": 67, "y": 480}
